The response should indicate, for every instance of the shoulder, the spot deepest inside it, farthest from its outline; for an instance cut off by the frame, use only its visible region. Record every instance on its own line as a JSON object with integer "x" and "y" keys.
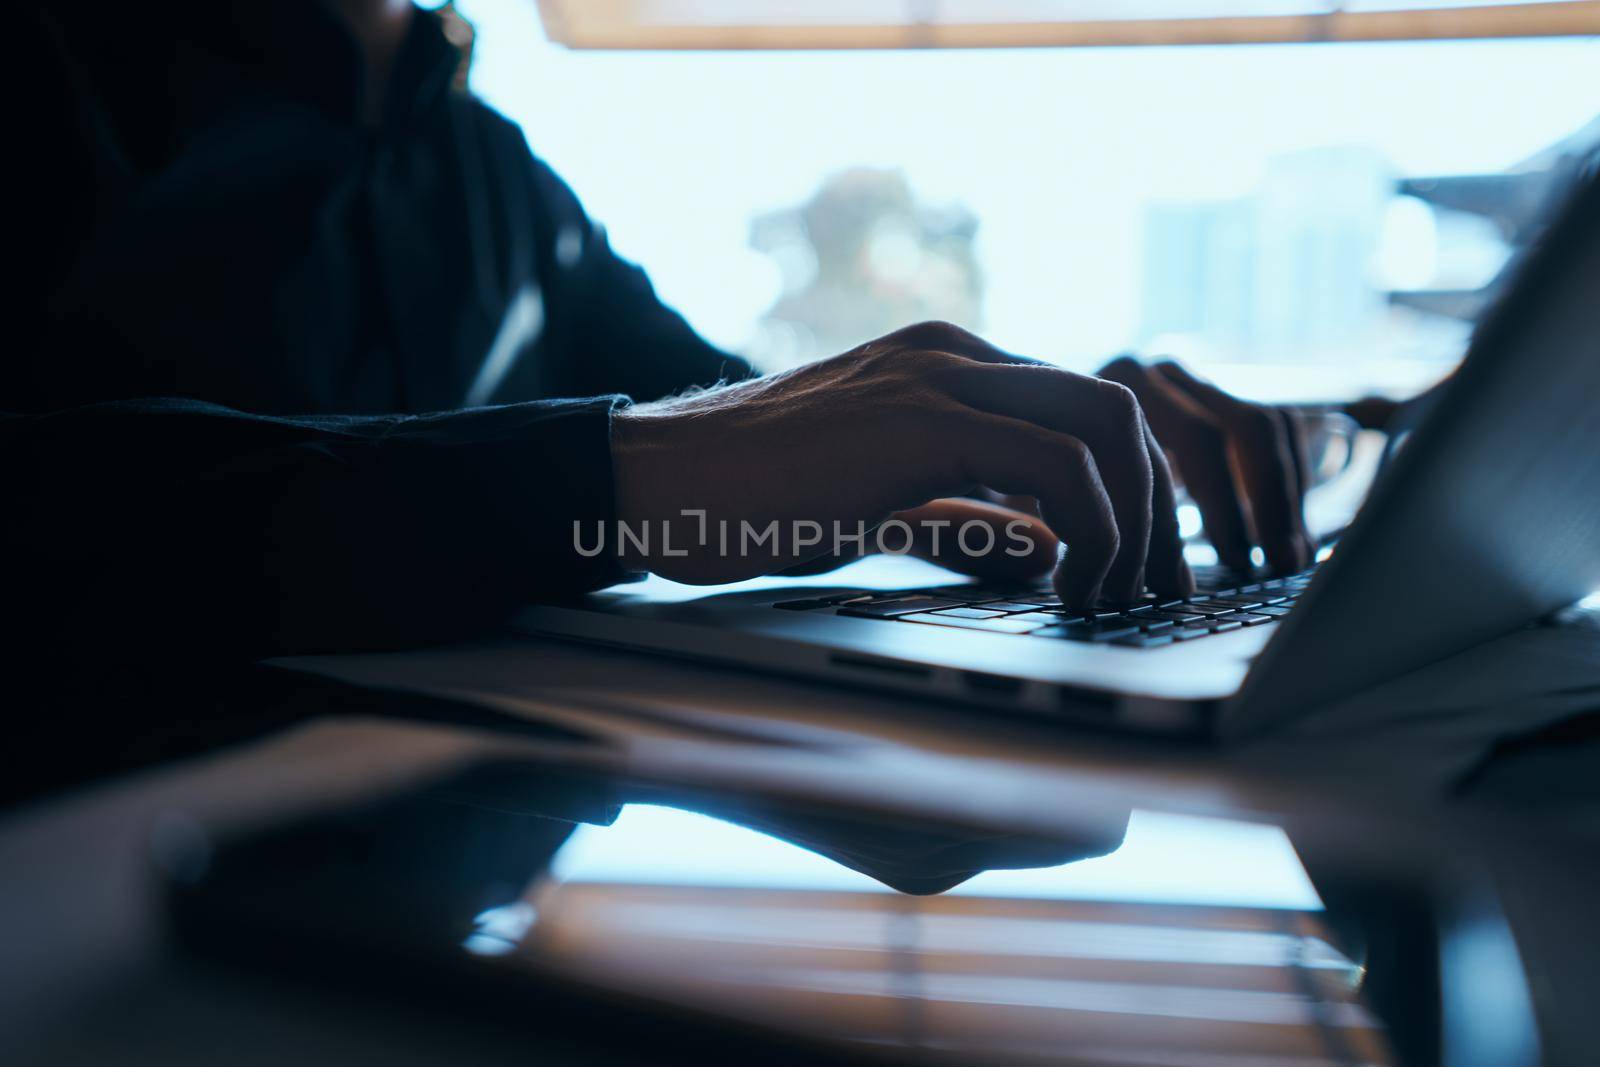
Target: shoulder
{"x": 506, "y": 145}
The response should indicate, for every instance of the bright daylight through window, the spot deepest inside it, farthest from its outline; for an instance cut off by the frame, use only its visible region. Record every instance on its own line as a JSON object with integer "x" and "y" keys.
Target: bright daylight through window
{"x": 1231, "y": 205}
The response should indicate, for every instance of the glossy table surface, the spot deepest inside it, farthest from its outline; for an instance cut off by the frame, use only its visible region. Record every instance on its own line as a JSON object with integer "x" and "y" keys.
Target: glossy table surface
{"x": 91, "y": 972}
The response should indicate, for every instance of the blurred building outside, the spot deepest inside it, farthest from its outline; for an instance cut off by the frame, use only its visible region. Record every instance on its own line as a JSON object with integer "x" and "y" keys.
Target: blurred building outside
{"x": 1334, "y": 257}
{"x": 1279, "y": 275}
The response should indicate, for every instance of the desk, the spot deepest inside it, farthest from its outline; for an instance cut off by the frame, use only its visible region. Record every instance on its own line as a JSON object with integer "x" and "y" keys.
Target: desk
{"x": 89, "y": 975}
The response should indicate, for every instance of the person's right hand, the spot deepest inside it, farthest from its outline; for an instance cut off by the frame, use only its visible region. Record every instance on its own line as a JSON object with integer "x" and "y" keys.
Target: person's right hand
{"x": 927, "y": 412}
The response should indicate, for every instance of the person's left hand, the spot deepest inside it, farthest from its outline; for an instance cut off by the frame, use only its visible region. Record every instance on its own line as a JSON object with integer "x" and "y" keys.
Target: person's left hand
{"x": 1242, "y": 462}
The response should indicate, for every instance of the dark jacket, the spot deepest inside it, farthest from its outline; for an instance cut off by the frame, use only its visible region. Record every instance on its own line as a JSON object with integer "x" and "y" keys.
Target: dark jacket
{"x": 282, "y": 382}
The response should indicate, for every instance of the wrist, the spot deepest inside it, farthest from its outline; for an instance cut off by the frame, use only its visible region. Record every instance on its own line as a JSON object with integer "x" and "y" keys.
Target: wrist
{"x": 625, "y": 451}
{"x": 642, "y": 458}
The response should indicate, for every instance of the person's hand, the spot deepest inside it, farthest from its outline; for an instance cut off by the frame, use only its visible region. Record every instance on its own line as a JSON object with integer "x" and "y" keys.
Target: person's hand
{"x": 925, "y": 413}
{"x": 1241, "y": 462}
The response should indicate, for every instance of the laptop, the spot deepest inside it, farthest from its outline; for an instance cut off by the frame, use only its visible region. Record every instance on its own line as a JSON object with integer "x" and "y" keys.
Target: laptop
{"x": 1486, "y": 518}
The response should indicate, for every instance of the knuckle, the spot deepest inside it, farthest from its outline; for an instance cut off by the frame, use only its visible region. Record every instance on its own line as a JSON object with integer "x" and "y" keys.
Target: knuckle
{"x": 864, "y": 355}
{"x": 1123, "y": 369}
{"x": 1079, "y": 478}
{"x": 918, "y": 368}
{"x": 1076, "y": 455}
{"x": 1122, "y": 406}
{"x": 888, "y": 361}
{"x": 930, "y": 333}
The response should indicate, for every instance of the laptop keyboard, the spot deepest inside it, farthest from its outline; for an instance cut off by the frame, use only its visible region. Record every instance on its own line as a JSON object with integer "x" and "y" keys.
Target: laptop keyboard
{"x": 1224, "y": 601}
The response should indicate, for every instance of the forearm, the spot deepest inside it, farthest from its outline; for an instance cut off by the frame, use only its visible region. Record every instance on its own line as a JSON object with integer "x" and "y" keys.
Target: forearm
{"x": 170, "y": 523}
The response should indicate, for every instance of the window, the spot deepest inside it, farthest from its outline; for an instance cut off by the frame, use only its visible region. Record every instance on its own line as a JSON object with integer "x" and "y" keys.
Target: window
{"x": 1233, "y": 205}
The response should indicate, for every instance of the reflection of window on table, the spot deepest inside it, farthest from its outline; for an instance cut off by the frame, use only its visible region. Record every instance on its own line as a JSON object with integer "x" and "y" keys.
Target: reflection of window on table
{"x": 1197, "y": 937}
{"x": 1016, "y": 980}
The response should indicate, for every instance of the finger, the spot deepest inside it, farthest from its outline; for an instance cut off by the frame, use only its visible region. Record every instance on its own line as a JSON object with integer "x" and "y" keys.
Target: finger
{"x": 1015, "y": 501}
{"x": 1015, "y": 456}
{"x": 1103, "y": 415}
{"x": 1208, "y": 396}
{"x": 1166, "y": 572}
{"x": 981, "y": 539}
{"x": 1170, "y": 411}
{"x": 1198, "y": 444}
{"x": 1294, "y": 434}
{"x": 1299, "y": 462}
{"x": 1260, "y": 450}
{"x": 1301, "y": 478}
{"x": 1267, "y": 471}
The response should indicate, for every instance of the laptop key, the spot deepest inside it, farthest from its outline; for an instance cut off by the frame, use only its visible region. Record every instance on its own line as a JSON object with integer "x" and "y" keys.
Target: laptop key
{"x": 1151, "y": 626}
{"x": 1177, "y": 615}
{"x": 1085, "y": 630}
{"x": 1043, "y": 618}
{"x": 1099, "y": 613}
{"x": 888, "y": 609}
{"x": 1152, "y": 600}
{"x": 1240, "y": 603}
{"x": 1277, "y": 611}
{"x": 1250, "y": 618}
{"x": 969, "y": 613}
{"x": 1219, "y": 626}
{"x": 1009, "y": 606}
{"x": 994, "y": 626}
{"x": 1111, "y": 635}
{"x": 1208, "y": 609}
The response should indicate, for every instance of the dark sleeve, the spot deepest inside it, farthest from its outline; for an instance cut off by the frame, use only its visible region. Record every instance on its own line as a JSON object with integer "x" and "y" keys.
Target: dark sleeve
{"x": 612, "y": 332}
{"x": 137, "y": 529}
